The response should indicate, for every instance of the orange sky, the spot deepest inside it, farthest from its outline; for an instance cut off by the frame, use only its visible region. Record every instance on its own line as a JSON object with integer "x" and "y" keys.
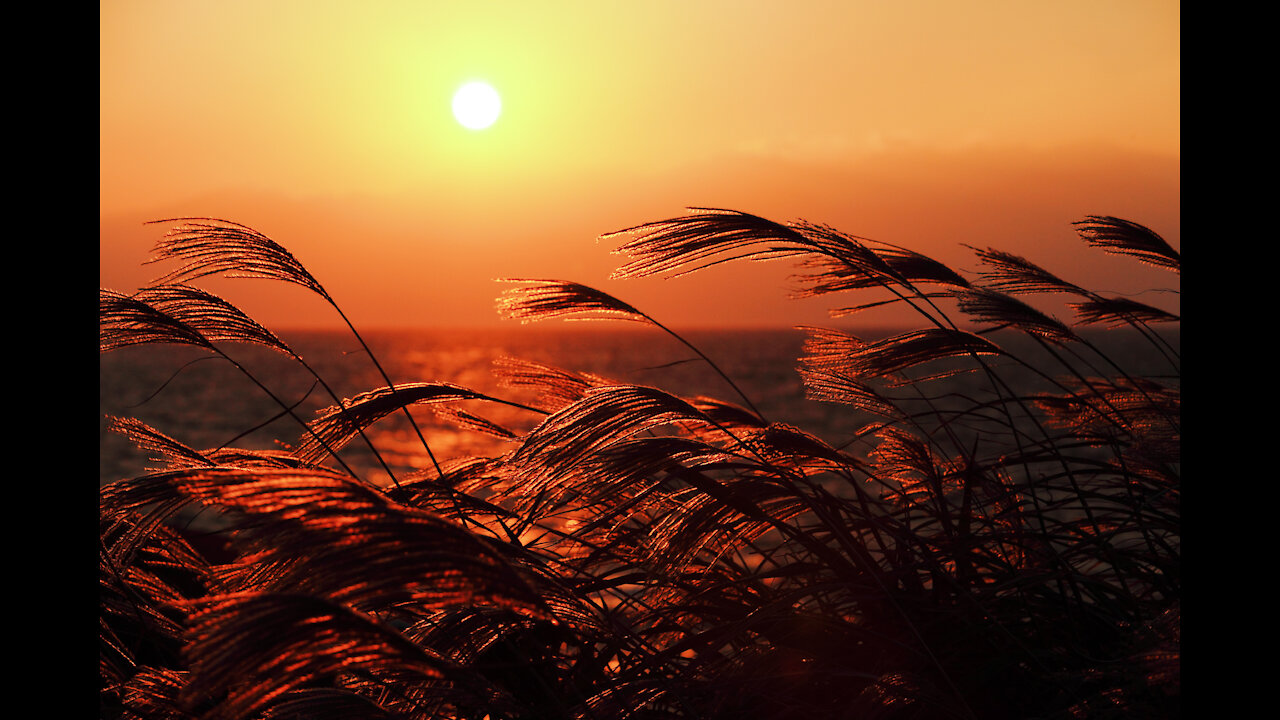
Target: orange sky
{"x": 327, "y": 126}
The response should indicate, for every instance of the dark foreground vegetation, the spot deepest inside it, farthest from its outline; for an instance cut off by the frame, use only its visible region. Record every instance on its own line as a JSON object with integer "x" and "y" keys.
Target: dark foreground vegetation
{"x": 1011, "y": 551}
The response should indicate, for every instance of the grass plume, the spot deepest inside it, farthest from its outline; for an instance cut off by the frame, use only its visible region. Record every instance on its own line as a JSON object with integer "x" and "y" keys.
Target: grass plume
{"x": 1009, "y": 550}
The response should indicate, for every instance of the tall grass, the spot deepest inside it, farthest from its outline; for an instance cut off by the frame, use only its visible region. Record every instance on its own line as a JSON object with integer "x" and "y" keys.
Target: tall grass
{"x": 1009, "y": 551}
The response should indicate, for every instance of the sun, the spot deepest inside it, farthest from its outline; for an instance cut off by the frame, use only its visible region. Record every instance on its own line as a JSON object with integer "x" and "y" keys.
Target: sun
{"x": 476, "y": 105}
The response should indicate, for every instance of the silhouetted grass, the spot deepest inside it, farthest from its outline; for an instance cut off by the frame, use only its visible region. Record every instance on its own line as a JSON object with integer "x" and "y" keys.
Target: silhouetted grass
{"x": 1009, "y": 551}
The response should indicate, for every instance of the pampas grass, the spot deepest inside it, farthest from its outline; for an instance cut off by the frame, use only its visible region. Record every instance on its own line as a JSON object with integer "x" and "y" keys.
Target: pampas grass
{"x": 1009, "y": 552}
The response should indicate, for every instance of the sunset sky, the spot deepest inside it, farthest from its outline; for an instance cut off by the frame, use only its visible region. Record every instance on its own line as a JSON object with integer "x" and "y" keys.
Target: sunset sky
{"x": 926, "y": 123}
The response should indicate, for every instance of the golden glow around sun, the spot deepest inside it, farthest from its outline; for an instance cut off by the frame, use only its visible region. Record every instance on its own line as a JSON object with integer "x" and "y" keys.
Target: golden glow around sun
{"x": 476, "y": 105}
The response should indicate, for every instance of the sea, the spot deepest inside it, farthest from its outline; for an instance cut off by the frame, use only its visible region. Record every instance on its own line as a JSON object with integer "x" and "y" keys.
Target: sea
{"x": 207, "y": 401}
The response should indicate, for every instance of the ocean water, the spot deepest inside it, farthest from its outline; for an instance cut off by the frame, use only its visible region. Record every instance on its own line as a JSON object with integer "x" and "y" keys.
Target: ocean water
{"x": 207, "y": 402}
